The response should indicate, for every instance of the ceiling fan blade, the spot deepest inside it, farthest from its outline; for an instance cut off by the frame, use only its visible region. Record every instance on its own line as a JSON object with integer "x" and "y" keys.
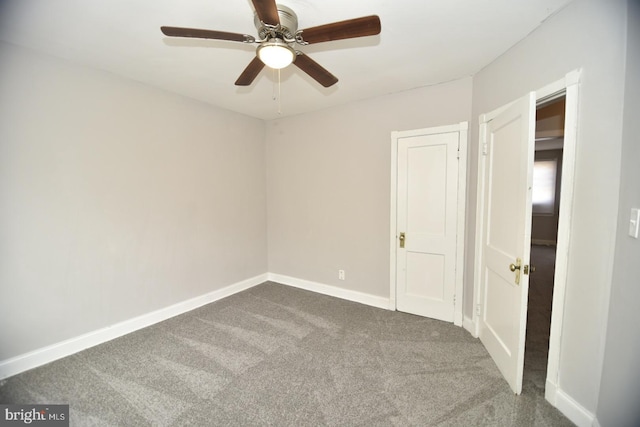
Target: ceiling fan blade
{"x": 206, "y": 34}
{"x": 250, "y": 73}
{"x": 267, "y": 11}
{"x": 315, "y": 70}
{"x": 351, "y": 28}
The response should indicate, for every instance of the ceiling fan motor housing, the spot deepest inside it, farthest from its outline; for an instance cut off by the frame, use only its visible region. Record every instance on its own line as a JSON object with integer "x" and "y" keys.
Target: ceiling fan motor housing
{"x": 288, "y": 24}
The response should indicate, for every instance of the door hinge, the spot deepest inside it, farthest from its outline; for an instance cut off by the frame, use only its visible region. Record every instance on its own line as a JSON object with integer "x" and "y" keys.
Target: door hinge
{"x": 478, "y": 309}
{"x": 454, "y": 299}
{"x": 458, "y": 154}
{"x": 485, "y": 148}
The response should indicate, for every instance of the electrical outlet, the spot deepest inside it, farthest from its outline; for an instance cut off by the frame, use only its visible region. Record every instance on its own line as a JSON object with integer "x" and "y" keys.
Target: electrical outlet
{"x": 341, "y": 274}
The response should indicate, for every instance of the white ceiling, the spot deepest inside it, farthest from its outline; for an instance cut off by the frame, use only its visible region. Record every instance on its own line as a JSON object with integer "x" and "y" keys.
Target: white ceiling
{"x": 423, "y": 42}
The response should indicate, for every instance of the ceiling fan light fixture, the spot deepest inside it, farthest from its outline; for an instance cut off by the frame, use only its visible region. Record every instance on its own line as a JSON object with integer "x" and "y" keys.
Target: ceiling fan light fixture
{"x": 275, "y": 53}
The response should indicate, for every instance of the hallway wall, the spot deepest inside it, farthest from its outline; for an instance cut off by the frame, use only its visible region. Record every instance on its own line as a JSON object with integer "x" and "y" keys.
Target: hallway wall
{"x": 620, "y": 388}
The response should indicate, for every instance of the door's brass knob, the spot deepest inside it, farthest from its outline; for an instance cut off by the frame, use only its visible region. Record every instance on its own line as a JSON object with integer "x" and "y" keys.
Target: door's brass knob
{"x": 516, "y": 268}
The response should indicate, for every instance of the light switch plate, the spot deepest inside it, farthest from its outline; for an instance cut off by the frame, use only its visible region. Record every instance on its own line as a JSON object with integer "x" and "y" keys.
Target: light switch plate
{"x": 634, "y": 223}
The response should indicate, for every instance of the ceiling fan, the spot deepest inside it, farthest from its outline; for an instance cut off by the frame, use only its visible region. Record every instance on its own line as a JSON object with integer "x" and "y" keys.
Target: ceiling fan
{"x": 278, "y": 33}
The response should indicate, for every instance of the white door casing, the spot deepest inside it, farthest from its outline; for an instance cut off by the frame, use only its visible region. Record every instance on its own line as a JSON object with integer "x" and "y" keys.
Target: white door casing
{"x": 429, "y": 210}
{"x": 508, "y": 145}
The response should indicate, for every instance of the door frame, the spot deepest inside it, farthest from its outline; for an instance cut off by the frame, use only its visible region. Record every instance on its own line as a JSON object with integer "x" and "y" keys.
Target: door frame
{"x": 462, "y": 129}
{"x": 569, "y": 88}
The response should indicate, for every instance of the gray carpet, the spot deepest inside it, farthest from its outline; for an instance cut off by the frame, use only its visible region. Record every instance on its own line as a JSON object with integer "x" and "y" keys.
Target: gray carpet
{"x": 275, "y": 355}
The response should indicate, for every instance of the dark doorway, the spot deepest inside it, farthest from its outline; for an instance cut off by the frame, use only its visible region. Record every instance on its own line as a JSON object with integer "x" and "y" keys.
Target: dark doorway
{"x": 544, "y": 232}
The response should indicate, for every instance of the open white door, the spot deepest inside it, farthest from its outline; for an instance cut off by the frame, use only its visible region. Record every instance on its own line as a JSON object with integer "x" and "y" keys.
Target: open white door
{"x": 508, "y": 147}
{"x": 427, "y": 220}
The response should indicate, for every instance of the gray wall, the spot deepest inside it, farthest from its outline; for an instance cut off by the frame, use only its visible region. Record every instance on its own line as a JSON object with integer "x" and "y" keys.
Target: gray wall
{"x": 329, "y": 175}
{"x": 587, "y": 34}
{"x": 620, "y": 388}
{"x": 116, "y": 200}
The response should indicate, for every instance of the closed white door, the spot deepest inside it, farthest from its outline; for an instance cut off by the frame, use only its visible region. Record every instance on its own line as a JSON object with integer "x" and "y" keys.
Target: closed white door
{"x": 508, "y": 149}
{"x": 427, "y": 195}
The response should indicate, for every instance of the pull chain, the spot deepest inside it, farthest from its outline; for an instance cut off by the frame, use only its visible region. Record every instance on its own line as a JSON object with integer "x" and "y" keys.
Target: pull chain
{"x": 273, "y": 79}
{"x": 277, "y": 96}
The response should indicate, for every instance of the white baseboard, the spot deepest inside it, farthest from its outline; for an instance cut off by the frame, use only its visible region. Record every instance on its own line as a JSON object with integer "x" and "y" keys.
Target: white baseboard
{"x": 65, "y": 348}
{"x": 333, "y": 291}
{"x": 568, "y": 406}
{"x": 550, "y": 390}
{"x": 470, "y": 326}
